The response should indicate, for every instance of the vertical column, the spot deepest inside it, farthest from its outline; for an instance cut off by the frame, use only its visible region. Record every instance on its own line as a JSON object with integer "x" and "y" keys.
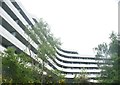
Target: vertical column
{"x": 118, "y": 34}
{"x": 119, "y": 20}
{"x": 119, "y": 17}
{"x": 0, "y": 62}
{"x": 0, "y": 44}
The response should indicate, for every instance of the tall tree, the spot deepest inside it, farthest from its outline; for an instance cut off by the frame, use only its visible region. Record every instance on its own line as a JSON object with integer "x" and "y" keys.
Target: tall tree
{"x": 46, "y": 41}
{"x": 110, "y": 54}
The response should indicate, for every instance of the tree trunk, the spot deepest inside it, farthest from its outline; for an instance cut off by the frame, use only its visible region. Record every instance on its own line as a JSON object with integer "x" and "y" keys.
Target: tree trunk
{"x": 42, "y": 72}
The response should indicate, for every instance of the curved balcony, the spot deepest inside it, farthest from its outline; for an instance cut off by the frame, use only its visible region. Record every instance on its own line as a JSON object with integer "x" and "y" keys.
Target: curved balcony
{"x": 15, "y": 11}
{"x": 5, "y": 34}
{"x": 76, "y": 60}
{"x": 75, "y": 56}
{"x": 71, "y": 70}
{"x": 87, "y": 75}
{"x": 75, "y": 65}
{"x": 17, "y": 16}
{"x": 67, "y": 54}
{"x": 16, "y": 27}
{"x": 24, "y": 12}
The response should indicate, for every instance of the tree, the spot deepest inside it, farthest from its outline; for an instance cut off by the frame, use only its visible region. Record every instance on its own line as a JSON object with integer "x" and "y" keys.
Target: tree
{"x": 81, "y": 78}
{"x": 55, "y": 77}
{"x": 16, "y": 68}
{"x": 46, "y": 41}
{"x": 110, "y": 54}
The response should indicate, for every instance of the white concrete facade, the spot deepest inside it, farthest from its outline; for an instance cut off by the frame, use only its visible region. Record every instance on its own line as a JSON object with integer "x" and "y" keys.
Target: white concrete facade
{"x": 13, "y": 21}
{"x": 71, "y": 63}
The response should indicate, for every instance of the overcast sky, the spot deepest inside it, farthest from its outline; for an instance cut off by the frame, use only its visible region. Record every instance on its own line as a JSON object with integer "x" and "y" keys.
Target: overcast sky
{"x": 80, "y": 24}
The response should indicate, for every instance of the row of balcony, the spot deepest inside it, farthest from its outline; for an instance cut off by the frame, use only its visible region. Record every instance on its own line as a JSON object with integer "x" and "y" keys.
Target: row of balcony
{"x": 11, "y": 14}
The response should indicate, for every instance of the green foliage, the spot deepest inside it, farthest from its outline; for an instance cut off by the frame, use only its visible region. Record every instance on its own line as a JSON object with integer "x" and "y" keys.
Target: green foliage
{"x": 20, "y": 68}
{"x": 15, "y": 69}
{"x": 81, "y": 77}
{"x": 111, "y": 56}
{"x": 54, "y": 77}
{"x": 46, "y": 42}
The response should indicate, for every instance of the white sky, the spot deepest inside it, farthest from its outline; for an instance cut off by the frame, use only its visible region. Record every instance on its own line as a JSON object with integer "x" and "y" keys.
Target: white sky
{"x": 80, "y": 24}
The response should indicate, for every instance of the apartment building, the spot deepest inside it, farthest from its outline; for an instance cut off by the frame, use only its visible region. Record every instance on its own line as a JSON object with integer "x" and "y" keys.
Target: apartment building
{"x": 71, "y": 64}
{"x": 13, "y": 21}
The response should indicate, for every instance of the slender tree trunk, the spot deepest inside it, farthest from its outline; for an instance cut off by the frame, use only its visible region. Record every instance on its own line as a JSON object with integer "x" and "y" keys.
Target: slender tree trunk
{"x": 42, "y": 72}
